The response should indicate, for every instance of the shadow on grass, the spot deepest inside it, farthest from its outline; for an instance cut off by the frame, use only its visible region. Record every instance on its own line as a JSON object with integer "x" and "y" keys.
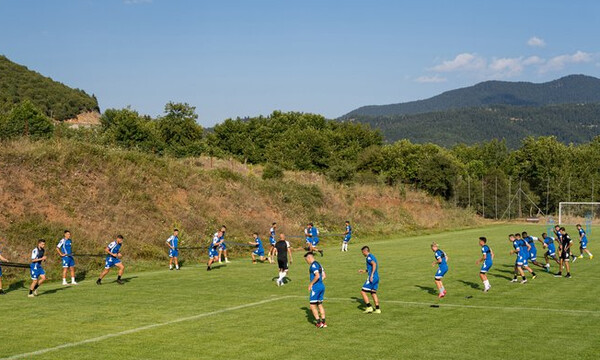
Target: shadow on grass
{"x": 361, "y": 305}
{"x": 54, "y": 291}
{"x": 500, "y": 276}
{"x": 470, "y": 284}
{"x": 81, "y": 275}
{"x": 309, "y": 315}
{"x": 16, "y": 286}
{"x": 285, "y": 279}
{"x": 127, "y": 279}
{"x": 429, "y": 289}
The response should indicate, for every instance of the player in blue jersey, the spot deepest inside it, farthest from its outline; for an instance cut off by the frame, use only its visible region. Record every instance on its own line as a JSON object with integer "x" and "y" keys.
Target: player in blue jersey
{"x": 213, "y": 249}
{"x": 312, "y": 238}
{"x": 64, "y": 249}
{"x": 173, "y": 244}
{"x": 441, "y": 260}
{"x": 316, "y": 289}
{"x": 347, "y": 236}
{"x": 2, "y": 258}
{"x": 113, "y": 258}
{"x": 521, "y": 249}
{"x": 548, "y": 243}
{"x": 532, "y": 249}
{"x": 38, "y": 275}
{"x": 372, "y": 284}
{"x": 259, "y": 251}
{"x": 272, "y": 242}
{"x": 583, "y": 243}
{"x": 223, "y": 246}
{"x": 486, "y": 261}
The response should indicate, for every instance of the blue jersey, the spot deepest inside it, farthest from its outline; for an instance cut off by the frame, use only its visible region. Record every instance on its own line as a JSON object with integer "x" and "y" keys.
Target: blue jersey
{"x": 272, "y": 236}
{"x": 259, "y": 245}
{"x": 315, "y": 267}
{"x": 521, "y": 247}
{"x": 114, "y": 248}
{"x": 439, "y": 254}
{"x": 487, "y": 253}
{"x": 370, "y": 259}
{"x": 312, "y": 234}
{"x": 582, "y": 234}
{"x": 215, "y": 241}
{"x": 37, "y": 254}
{"x": 173, "y": 241}
{"x": 349, "y": 230}
{"x": 550, "y": 244}
{"x": 531, "y": 241}
{"x": 64, "y": 245}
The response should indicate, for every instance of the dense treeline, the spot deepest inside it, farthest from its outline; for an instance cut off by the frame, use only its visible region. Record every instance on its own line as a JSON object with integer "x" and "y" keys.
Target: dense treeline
{"x": 53, "y": 99}
{"x": 486, "y": 177}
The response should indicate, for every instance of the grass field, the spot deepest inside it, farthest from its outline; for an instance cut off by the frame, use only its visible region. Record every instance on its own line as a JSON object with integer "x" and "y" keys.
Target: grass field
{"x": 236, "y": 311}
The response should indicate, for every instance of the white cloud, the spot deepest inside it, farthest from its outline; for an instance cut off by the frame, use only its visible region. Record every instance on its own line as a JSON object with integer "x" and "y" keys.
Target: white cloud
{"x": 462, "y": 62}
{"x": 536, "y": 42}
{"x": 136, "y": 2}
{"x": 559, "y": 62}
{"x": 430, "y": 79}
{"x": 506, "y": 67}
{"x": 533, "y": 60}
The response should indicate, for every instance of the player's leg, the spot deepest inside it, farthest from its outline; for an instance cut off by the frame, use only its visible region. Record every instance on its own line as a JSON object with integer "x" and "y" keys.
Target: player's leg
{"x": 376, "y": 302}
{"x": 220, "y": 254}
{"x": 32, "y": 287}
{"x": 73, "y": 282}
{"x": 315, "y": 312}
{"x": 568, "y": 267}
{"x": 170, "y": 262}
{"x": 176, "y": 260}
{"x": 322, "y": 311}
{"x": 225, "y": 254}
{"x": 253, "y": 257}
{"x": 103, "y": 274}
{"x": 64, "y": 274}
{"x": 121, "y": 270}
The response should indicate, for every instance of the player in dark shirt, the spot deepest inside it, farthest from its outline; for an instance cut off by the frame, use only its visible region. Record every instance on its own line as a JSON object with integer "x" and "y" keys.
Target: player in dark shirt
{"x": 565, "y": 252}
{"x": 283, "y": 251}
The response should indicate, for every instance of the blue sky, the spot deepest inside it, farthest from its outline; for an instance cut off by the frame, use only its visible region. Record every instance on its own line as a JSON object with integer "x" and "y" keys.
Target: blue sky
{"x": 246, "y": 58}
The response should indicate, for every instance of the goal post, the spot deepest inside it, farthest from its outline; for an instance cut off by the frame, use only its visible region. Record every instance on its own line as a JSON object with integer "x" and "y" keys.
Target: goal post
{"x": 572, "y": 212}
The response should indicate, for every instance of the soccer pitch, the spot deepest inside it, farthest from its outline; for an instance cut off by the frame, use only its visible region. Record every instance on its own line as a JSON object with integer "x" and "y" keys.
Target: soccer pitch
{"x": 236, "y": 311}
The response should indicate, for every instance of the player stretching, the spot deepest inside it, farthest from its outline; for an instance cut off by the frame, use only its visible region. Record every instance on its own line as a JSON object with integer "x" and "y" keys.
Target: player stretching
{"x": 565, "y": 253}
{"x": 316, "y": 289}
{"x": 312, "y": 238}
{"x": 113, "y": 258}
{"x": 347, "y": 236}
{"x": 2, "y": 258}
{"x": 283, "y": 250}
{"x": 272, "y": 241}
{"x": 548, "y": 242}
{"x": 532, "y": 250}
{"x": 372, "y": 283}
{"x": 521, "y": 249}
{"x": 583, "y": 241}
{"x": 64, "y": 249}
{"x": 259, "y": 251}
{"x": 486, "y": 261}
{"x": 173, "y": 243}
{"x": 38, "y": 275}
{"x": 213, "y": 252}
{"x": 441, "y": 260}
{"x": 223, "y": 247}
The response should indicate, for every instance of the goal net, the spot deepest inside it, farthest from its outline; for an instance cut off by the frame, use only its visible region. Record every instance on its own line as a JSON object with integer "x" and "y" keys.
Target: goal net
{"x": 584, "y": 213}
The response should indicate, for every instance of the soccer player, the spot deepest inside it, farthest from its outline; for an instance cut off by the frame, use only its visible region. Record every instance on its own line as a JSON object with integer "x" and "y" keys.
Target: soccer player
{"x": 272, "y": 241}
{"x": 173, "y": 243}
{"x": 284, "y": 251}
{"x": 259, "y": 251}
{"x": 532, "y": 255}
{"x": 583, "y": 241}
{"x": 64, "y": 250}
{"x": 213, "y": 252}
{"x": 347, "y": 236}
{"x": 113, "y": 258}
{"x": 548, "y": 242}
{"x": 370, "y": 286}
{"x": 486, "y": 261}
{"x": 2, "y": 258}
{"x": 38, "y": 275}
{"x": 521, "y": 249}
{"x": 316, "y": 288}
{"x": 223, "y": 247}
{"x": 565, "y": 253}
{"x": 558, "y": 237}
{"x": 441, "y": 260}
{"x": 312, "y": 238}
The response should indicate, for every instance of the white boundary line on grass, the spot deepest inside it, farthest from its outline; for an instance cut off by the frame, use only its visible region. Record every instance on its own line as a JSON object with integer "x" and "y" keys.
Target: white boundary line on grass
{"x": 141, "y": 328}
{"x": 483, "y": 307}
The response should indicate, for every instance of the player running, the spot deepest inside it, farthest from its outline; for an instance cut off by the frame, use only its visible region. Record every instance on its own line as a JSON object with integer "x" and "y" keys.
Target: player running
{"x": 347, "y": 236}
{"x": 272, "y": 241}
{"x": 548, "y": 242}
{"x": 565, "y": 253}
{"x": 583, "y": 241}
{"x": 316, "y": 289}
{"x": 372, "y": 284}
{"x": 259, "y": 251}
{"x": 173, "y": 244}
{"x": 441, "y": 260}
{"x": 213, "y": 252}
{"x": 113, "y": 258}
{"x": 64, "y": 249}
{"x": 532, "y": 249}
{"x": 223, "y": 247}
{"x": 2, "y": 258}
{"x": 284, "y": 250}
{"x": 38, "y": 275}
{"x": 312, "y": 238}
{"x": 486, "y": 261}
{"x": 521, "y": 249}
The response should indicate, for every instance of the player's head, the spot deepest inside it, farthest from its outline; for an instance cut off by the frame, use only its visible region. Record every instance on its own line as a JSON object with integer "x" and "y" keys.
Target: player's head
{"x": 67, "y": 234}
{"x": 517, "y": 236}
{"x": 223, "y": 228}
{"x": 482, "y": 240}
{"x": 119, "y": 239}
{"x": 556, "y": 227}
{"x": 511, "y": 237}
{"x": 544, "y": 235}
{"x": 282, "y": 237}
{"x": 434, "y": 246}
{"x": 309, "y": 257}
{"x": 274, "y": 224}
{"x": 578, "y": 226}
{"x": 365, "y": 250}
{"x": 41, "y": 243}
{"x": 347, "y": 222}
{"x": 563, "y": 230}
{"x": 310, "y": 225}
{"x": 175, "y": 232}
{"x": 255, "y": 235}
{"x": 219, "y": 233}
{"x": 524, "y": 234}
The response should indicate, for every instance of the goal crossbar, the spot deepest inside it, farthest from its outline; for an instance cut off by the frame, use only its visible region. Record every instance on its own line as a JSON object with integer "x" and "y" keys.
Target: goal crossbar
{"x": 560, "y": 207}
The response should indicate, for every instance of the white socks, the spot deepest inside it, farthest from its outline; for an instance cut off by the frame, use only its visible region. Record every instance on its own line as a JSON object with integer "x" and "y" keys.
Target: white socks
{"x": 486, "y": 284}
{"x": 282, "y": 275}
{"x": 344, "y": 246}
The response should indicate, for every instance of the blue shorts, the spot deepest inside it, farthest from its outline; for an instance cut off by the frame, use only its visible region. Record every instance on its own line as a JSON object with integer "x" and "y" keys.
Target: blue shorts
{"x": 68, "y": 261}
{"x": 173, "y": 252}
{"x": 223, "y": 246}
{"x": 212, "y": 252}
{"x": 259, "y": 252}
{"x": 0, "y": 272}
{"x": 111, "y": 261}
{"x": 36, "y": 271}
{"x": 314, "y": 242}
{"x": 533, "y": 254}
{"x": 583, "y": 244}
{"x": 371, "y": 286}
{"x": 347, "y": 238}
{"x": 441, "y": 271}
{"x": 317, "y": 293}
{"x": 485, "y": 267}
{"x": 272, "y": 241}
{"x": 552, "y": 255}
{"x": 521, "y": 261}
